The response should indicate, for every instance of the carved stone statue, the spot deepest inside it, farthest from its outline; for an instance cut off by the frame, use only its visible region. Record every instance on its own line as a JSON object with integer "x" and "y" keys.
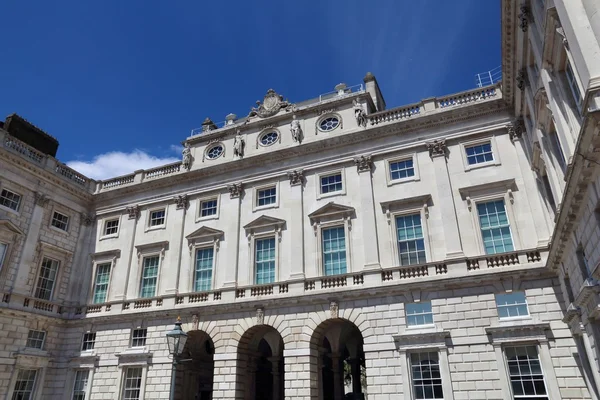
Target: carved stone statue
{"x": 359, "y": 114}
{"x": 297, "y": 134}
{"x": 238, "y": 145}
{"x": 187, "y": 157}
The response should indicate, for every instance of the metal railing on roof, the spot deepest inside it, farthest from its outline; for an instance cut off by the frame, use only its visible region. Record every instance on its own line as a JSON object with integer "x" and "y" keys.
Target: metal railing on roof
{"x": 489, "y": 77}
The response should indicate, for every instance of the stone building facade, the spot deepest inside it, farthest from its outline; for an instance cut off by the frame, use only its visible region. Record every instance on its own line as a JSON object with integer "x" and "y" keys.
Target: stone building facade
{"x": 327, "y": 249}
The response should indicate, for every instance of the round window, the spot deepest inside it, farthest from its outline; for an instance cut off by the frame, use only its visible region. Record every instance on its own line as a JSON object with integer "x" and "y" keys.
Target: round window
{"x": 329, "y": 123}
{"x": 269, "y": 138}
{"x": 215, "y": 151}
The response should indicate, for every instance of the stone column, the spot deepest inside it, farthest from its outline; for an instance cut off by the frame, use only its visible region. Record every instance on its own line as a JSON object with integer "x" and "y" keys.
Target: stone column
{"x": 355, "y": 368}
{"x": 515, "y": 130}
{"x": 437, "y": 152}
{"x": 364, "y": 167}
{"x": 338, "y": 377}
{"x": 21, "y": 284}
{"x": 296, "y": 227}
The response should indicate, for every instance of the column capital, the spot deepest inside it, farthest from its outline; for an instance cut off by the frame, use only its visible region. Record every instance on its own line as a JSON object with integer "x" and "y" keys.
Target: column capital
{"x": 437, "y": 148}
{"x": 515, "y": 129}
{"x": 235, "y": 190}
{"x": 296, "y": 177}
{"x": 181, "y": 201}
{"x": 87, "y": 219}
{"x": 134, "y": 212}
{"x": 41, "y": 199}
{"x": 363, "y": 163}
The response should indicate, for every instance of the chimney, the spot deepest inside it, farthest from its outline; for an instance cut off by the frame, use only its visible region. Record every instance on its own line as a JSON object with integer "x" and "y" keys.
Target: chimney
{"x": 372, "y": 88}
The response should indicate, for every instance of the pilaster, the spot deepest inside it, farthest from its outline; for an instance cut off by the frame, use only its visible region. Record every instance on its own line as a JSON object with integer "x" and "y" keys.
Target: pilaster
{"x": 236, "y": 192}
{"x": 296, "y": 226}
{"x": 364, "y": 166}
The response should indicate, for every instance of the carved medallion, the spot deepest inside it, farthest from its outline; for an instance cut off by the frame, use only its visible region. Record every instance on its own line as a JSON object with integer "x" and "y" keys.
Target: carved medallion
{"x": 271, "y": 105}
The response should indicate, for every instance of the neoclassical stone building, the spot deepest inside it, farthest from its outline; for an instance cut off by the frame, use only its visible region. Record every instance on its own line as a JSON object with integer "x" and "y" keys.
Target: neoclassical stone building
{"x": 326, "y": 249}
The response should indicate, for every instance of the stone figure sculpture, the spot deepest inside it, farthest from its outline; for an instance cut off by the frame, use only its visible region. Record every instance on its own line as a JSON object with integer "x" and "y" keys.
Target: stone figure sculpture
{"x": 238, "y": 145}
{"x": 296, "y": 130}
{"x": 359, "y": 114}
{"x": 187, "y": 157}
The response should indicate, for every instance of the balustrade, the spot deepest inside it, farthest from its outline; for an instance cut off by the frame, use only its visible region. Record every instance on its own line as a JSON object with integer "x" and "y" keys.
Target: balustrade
{"x": 162, "y": 171}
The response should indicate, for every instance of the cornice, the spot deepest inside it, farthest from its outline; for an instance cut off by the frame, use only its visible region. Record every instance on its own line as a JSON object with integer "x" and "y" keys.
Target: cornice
{"x": 509, "y": 15}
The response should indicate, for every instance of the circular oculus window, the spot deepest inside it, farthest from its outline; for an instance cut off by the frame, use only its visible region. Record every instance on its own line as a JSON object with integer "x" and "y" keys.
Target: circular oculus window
{"x": 214, "y": 152}
{"x": 268, "y": 138}
{"x": 329, "y": 123}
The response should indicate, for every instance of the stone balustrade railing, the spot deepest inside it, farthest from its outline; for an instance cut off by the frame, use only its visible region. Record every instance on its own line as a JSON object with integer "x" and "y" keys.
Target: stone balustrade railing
{"x": 470, "y": 96}
{"x": 140, "y": 176}
{"x": 71, "y": 174}
{"x": 162, "y": 170}
{"x": 395, "y": 114}
{"x": 384, "y": 278}
{"x": 118, "y": 181}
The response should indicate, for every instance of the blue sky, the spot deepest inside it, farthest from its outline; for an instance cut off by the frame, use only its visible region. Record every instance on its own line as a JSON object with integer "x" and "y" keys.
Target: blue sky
{"x": 121, "y": 83}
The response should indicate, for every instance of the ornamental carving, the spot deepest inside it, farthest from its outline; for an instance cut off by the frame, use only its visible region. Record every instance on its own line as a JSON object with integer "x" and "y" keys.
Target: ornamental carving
{"x": 238, "y": 145}
{"x": 334, "y": 309}
{"x": 515, "y": 129}
{"x": 195, "y": 322}
{"x": 41, "y": 199}
{"x": 437, "y": 148}
{"x": 524, "y": 16}
{"x": 186, "y": 154}
{"x": 296, "y": 177}
{"x": 522, "y": 79}
{"x": 134, "y": 212}
{"x": 363, "y": 163}
{"x": 87, "y": 219}
{"x": 260, "y": 316}
{"x": 360, "y": 114}
{"x": 271, "y": 105}
{"x": 235, "y": 190}
{"x": 181, "y": 201}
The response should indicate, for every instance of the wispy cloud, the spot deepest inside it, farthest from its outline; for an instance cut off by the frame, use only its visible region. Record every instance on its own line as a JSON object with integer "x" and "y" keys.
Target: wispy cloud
{"x": 116, "y": 163}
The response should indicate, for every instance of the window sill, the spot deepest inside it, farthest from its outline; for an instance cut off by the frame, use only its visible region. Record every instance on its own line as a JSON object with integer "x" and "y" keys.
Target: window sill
{"x": 156, "y": 228}
{"x": 424, "y": 328}
{"x": 111, "y": 236}
{"x": 392, "y": 182}
{"x": 58, "y": 230}
{"x": 331, "y": 194}
{"x": 513, "y": 320}
{"x": 482, "y": 165}
{"x": 265, "y": 207}
{"x": 10, "y": 210}
{"x": 207, "y": 218}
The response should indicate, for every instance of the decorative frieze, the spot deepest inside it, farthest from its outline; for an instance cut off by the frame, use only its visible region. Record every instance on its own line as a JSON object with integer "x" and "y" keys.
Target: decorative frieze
{"x": 133, "y": 212}
{"x": 524, "y": 16}
{"x": 296, "y": 177}
{"x": 41, "y": 199}
{"x": 363, "y": 163}
{"x": 437, "y": 148}
{"x": 235, "y": 190}
{"x": 522, "y": 79}
{"x": 181, "y": 201}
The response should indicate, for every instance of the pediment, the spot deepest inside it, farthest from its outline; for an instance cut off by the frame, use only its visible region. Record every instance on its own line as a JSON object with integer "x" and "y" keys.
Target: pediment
{"x": 203, "y": 232}
{"x": 488, "y": 188}
{"x": 6, "y": 224}
{"x": 332, "y": 209}
{"x": 263, "y": 221}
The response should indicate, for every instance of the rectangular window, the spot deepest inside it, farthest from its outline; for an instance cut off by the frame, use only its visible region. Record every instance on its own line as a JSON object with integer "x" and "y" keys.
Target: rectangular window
{"x": 426, "y": 376}
{"x": 89, "y": 341}
{"x": 149, "y": 276}
{"x": 525, "y": 371}
{"x": 558, "y": 150}
{"x": 511, "y": 305}
{"x": 101, "y": 283}
{"x": 334, "y": 250}
{"x": 138, "y": 337}
{"x": 208, "y": 208}
{"x": 480, "y": 153}
{"x": 157, "y": 217}
{"x": 204, "y": 267}
{"x": 264, "y": 197}
{"x": 583, "y": 262}
{"x": 3, "y": 247}
{"x": 331, "y": 183}
{"x": 419, "y": 314}
{"x": 81, "y": 384}
{"x": 10, "y": 200}
{"x": 402, "y": 169}
{"x": 411, "y": 245}
{"x": 495, "y": 228}
{"x": 24, "y": 385}
{"x": 133, "y": 384}
{"x": 35, "y": 339}
{"x": 111, "y": 227}
{"x": 573, "y": 85}
{"x": 46, "y": 279}
{"x": 265, "y": 260}
{"x": 60, "y": 221}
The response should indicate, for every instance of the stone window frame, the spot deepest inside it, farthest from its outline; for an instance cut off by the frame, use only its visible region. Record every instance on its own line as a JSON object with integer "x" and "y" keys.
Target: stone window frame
{"x": 9, "y": 235}
{"x": 149, "y": 212}
{"x": 321, "y": 118}
{"x": 404, "y": 207}
{"x": 145, "y": 251}
{"x": 403, "y": 157}
{"x": 320, "y": 221}
{"x": 103, "y": 234}
{"x": 8, "y": 187}
{"x": 491, "y": 139}
{"x": 60, "y": 210}
{"x": 421, "y": 341}
{"x": 100, "y": 258}
{"x": 43, "y": 341}
{"x": 49, "y": 251}
{"x": 136, "y": 362}
{"x": 255, "y": 191}
{"x": 30, "y": 359}
{"x": 132, "y": 337}
{"x": 492, "y": 191}
{"x": 203, "y": 199}
{"x": 203, "y": 238}
{"x": 263, "y": 133}
{"x": 342, "y": 172}
{"x": 263, "y": 227}
{"x": 209, "y": 148}
{"x": 520, "y": 333}
{"x": 72, "y": 377}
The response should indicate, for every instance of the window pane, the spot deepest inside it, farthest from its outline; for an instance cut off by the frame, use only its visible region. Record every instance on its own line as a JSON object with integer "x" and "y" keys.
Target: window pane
{"x": 511, "y": 305}
{"x": 411, "y": 245}
{"x": 35, "y": 339}
{"x": 331, "y": 183}
{"x": 24, "y": 384}
{"x": 426, "y": 377}
{"x": 149, "y": 277}
{"x": 46, "y": 279}
{"x": 3, "y": 247}
{"x": 525, "y": 371}
{"x": 418, "y": 313}
{"x": 266, "y": 197}
{"x": 334, "y": 251}
{"x": 479, "y": 153}
{"x": 264, "y": 259}
{"x": 10, "y": 200}
{"x": 204, "y": 267}
{"x": 208, "y": 208}
{"x": 495, "y": 228}
{"x": 101, "y": 283}
{"x": 401, "y": 169}
{"x": 133, "y": 384}
{"x": 81, "y": 384}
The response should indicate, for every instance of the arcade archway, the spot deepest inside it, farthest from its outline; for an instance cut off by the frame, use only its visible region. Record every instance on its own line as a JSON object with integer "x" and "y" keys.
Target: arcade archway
{"x": 194, "y": 379}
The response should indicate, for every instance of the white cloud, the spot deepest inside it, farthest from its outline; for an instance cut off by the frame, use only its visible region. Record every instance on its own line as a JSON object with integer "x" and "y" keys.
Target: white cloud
{"x": 117, "y": 163}
{"x": 176, "y": 148}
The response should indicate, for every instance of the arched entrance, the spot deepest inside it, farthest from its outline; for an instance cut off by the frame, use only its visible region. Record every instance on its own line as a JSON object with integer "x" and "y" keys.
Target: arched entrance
{"x": 337, "y": 345}
{"x": 260, "y": 365}
{"x": 194, "y": 379}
